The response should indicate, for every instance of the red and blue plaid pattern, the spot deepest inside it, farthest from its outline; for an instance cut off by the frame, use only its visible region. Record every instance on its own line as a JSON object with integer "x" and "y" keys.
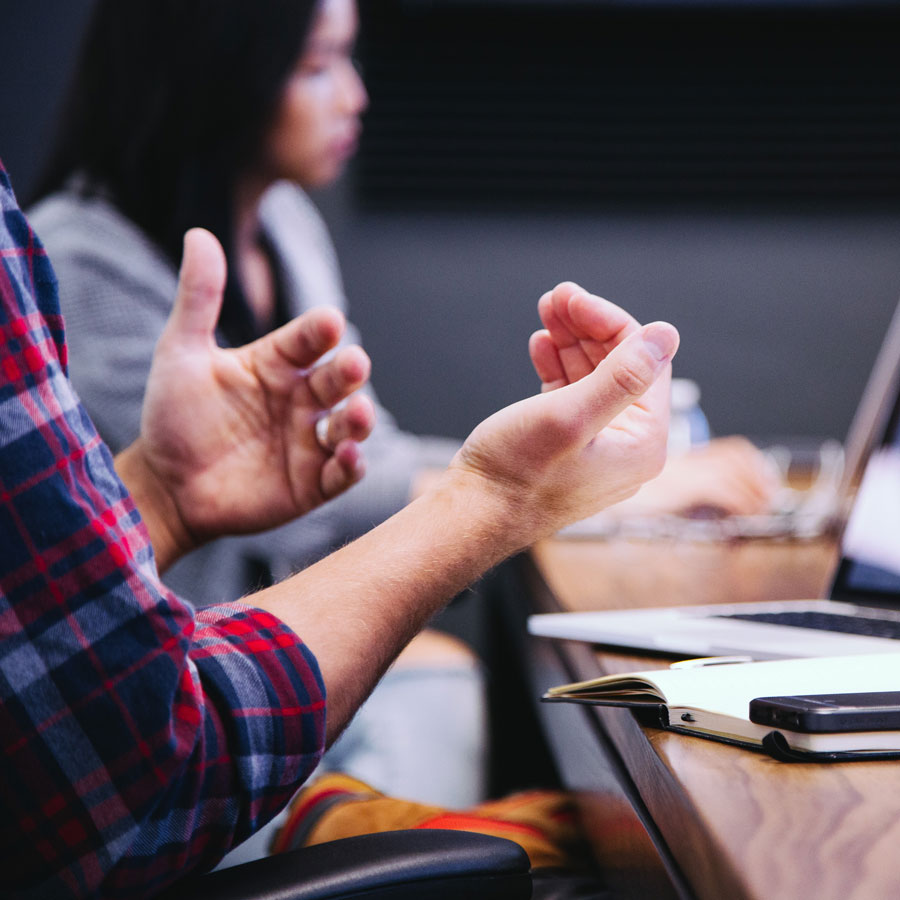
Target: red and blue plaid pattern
{"x": 140, "y": 741}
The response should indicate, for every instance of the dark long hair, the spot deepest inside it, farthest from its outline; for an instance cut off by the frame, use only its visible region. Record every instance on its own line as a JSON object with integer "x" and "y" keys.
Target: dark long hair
{"x": 168, "y": 107}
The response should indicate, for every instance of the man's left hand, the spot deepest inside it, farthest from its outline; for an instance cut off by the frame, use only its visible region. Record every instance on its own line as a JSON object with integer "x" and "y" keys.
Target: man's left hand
{"x": 229, "y": 438}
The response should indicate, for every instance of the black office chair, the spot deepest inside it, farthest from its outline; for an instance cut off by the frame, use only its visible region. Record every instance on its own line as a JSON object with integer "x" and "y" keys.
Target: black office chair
{"x": 391, "y": 865}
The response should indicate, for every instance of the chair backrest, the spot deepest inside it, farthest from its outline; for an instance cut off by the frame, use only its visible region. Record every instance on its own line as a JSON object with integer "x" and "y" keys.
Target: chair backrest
{"x": 391, "y": 865}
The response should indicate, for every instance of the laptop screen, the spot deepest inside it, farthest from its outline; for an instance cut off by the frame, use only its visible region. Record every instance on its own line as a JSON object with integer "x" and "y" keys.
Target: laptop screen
{"x": 869, "y": 571}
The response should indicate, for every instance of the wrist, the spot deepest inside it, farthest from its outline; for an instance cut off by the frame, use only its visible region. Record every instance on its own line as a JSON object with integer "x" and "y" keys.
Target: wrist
{"x": 169, "y": 536}
{"x": 497, "y": 512}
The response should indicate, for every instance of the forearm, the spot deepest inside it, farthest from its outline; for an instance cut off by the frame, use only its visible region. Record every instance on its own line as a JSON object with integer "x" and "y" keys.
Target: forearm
{"x": 358, "y": 608}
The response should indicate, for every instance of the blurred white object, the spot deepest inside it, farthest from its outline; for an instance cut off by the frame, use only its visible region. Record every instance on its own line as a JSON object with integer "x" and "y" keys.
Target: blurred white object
{"x": 820, "y": 498}
{"x": 688, "y": 426}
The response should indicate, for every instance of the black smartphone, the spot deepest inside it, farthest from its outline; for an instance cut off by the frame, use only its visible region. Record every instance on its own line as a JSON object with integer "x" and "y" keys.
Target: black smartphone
{"x": 814, "y": 713}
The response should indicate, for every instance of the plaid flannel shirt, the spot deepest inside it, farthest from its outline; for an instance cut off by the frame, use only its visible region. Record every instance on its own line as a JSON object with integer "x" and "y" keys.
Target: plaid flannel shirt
{"x": 140, "y": 740}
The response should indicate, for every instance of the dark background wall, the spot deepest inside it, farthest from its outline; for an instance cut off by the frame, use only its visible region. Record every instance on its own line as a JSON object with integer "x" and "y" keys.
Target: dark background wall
{"x": 737, "y": 176}
{"x": 38, "y": 44}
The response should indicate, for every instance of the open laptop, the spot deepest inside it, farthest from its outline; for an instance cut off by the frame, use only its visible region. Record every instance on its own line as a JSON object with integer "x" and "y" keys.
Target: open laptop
{"x": 862, "y": 613}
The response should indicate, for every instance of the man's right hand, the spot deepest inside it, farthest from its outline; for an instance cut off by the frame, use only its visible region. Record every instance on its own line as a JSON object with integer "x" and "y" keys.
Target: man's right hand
{"x": 598, "y": 430}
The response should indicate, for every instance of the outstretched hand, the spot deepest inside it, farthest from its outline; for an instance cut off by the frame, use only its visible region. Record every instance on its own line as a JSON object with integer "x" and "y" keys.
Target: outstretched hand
{"x": 228, "y": 437}
{"x": 599, "y": 428}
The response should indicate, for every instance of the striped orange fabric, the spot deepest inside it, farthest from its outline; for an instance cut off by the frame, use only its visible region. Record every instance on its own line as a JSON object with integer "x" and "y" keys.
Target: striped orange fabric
{"x": 337, "y": 806}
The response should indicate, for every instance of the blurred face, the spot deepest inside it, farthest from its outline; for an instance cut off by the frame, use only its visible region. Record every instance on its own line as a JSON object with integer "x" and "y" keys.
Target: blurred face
{"x": 317, "y": 125}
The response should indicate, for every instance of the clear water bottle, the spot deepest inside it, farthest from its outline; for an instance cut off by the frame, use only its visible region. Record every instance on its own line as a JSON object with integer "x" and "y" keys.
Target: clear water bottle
{"x": 688, "y": 426}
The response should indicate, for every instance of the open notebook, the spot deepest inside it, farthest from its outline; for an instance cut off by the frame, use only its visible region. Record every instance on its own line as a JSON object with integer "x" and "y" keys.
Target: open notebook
{"x": 862, "y": 614}
{"x": 714, "y": 701}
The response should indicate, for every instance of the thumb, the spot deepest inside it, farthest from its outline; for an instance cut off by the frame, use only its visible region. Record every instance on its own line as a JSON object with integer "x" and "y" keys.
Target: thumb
{"x": 201, "y": 286}
{"x": 627, "y": 375}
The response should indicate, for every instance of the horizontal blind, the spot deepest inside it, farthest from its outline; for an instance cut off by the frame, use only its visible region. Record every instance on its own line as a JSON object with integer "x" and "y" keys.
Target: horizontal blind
{"x": 568, "y": 106}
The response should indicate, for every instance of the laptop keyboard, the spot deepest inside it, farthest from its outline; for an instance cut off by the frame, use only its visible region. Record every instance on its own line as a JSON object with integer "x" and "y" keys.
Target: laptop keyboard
{"x": 822, "y": 621}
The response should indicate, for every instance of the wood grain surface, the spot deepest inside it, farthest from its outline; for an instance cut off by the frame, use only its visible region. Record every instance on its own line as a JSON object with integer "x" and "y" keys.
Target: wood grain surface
{"x": 737, "y": 823}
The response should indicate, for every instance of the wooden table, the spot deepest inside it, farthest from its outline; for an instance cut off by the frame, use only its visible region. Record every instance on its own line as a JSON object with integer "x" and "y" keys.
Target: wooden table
{"x": 676, "y": 816}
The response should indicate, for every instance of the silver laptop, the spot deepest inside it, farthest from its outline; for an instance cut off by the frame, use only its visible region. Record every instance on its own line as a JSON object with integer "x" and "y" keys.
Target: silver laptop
{"x": 862, "y": 613}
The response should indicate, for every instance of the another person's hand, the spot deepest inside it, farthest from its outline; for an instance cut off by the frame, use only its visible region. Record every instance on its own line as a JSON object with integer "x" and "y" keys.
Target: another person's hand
{"x": 598, "y": 430}
{"x": 228, "y": 437}
{"x": 726, "y": 477}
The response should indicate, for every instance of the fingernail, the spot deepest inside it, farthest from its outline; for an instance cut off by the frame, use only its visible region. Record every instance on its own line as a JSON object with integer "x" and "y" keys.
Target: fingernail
{"x": 660, "y": 339}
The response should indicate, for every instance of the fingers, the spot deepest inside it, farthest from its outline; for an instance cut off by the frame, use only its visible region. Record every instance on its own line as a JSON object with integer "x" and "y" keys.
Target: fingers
{"x": 740, "y": 498}
{"x": 352, "y": 422}
{"x": 583, "y": 327}
{"x": 346, "y": 428}
{"x": 334, "y": 380}
{"x": 296, "y": 347}
{"x": 201, "y": 286}
{"x": 599, "y": 320}
{"x": 631, "y": 373}
{"x": 737, "y": 470}
{"x": 342, "y": 469}
{"x": 303, "y": 341}
{"x": 545, "y": 359}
